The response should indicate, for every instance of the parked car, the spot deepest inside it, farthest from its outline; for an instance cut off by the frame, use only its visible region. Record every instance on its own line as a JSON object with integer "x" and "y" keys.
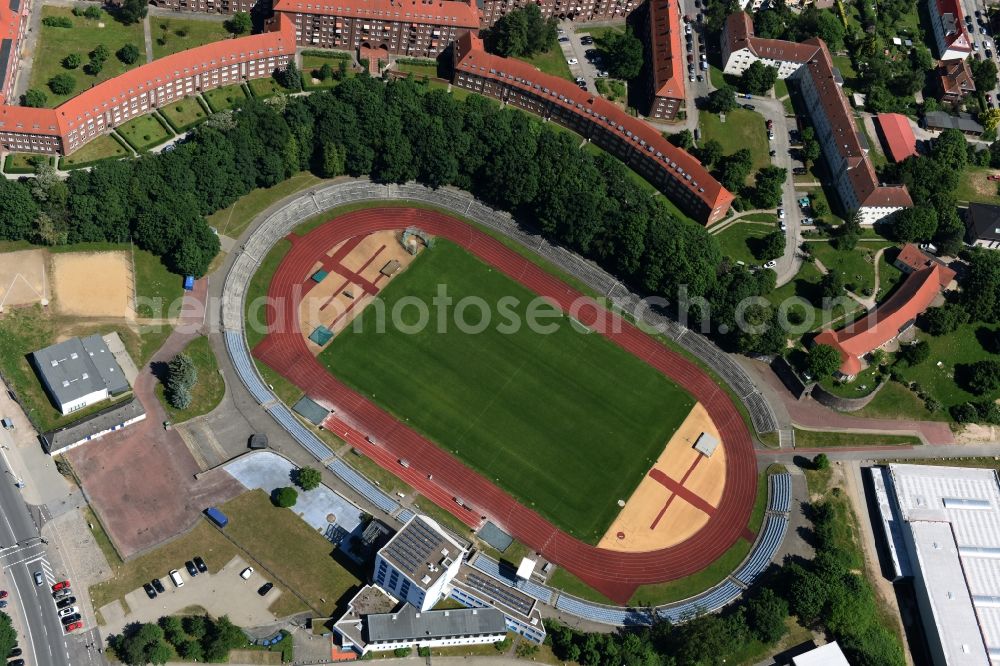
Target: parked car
{"x": 74, "y": 626}
{"x": 749, "y": 107}
{"x": 573, "y": 61}
{"x": 994, "y": 176}
{"x": 700, "y": 78}
{"x": 16, "y": 662}
{"x": 70, "y": 619}
{"x": 39, "y": 578}
{"x": 15, "y": 652}
{"x": 564, "y": 39}
{"x": 586, "y": 40}
{"x": 747, "y": 96}
{"x": 63, "y": 584}
{"x": 65, "y": 592}
{"x": 200, "y": 563}
{"x": 769, "y": 123}
{"x": 157, "y": 585}
{"x": 704, "y": 65}
{"x": 602, "y": 74}
{"x": 150, "y": 592}
{"x": 72, "y": 610}
{"x": 3, "y": 604}
{"x": 265, "y": 588}
{"x": 191, "y": 568}
{"x": 773, "y": 153}
{"x": 929, "y": 247}
{"x": 590, "y": 53}
{"x": 781, "y": 213}
{"x": 68, "y": 601}
{"x": 989, "y": 53}
{"x": 771, "y": 264}
{"x": 690, "y": 57}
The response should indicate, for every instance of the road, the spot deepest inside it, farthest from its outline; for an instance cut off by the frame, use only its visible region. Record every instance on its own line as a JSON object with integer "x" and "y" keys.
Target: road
{"x": 977, "y": 35}
{"x": 23, "y": 553}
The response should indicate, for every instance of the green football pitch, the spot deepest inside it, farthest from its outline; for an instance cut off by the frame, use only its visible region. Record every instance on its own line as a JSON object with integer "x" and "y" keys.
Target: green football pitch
{"x": 565, "y": 421}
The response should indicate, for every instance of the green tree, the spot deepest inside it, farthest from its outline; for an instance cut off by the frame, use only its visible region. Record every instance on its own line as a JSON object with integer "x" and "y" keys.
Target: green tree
{"x": 239, "y": 23}
{"x": 823, "y": 361}
{"x": 182, "y": 375}
{"x": 915, "y": 353}
{"x": 93, "y": 13}
{"x": 821, "y": 462}
{"x": 811, "y": 150}
{"x": 684, "y": 139}
{"x": 196, "y": 626}
{"x": 308, "y": 478}
{"x": 34, "y": 97}
{"x": 18, "y": 210}
{"x": 914, "y": 224}
{"x": 766, "y": 615}
{"x": 62, "y": 84}
{"x": 521, "y": 32}
{"x": 284, "y": 497}
{"x": 770, "y": 246}
{"x": 984, "y": 73}
{"x": 943, "y": 320}
{"x": 128, "y": 54}
{"x": 623, "y": 53}
{"x": 72, "y": 61}
{"x": 758, "y": 78}
{"x": 734, "y": 169}
{"x": 173, "y": 630}
{"x": 8, "y": 636}
{"x": 709, "y": 152}
{"x": 132, "y": 11}
{"x": 983, "y": 377}
{"x": 140, "y": 644}
{"x": 950, "y": 148}
{"x": 829, "y": 28}
{"x": 721, "y": 100}
{"x": 831, "y": 285}
{"x": 324, "y": 73}
{"x": 768, "y": 186}
{"x": 289, "y": 77}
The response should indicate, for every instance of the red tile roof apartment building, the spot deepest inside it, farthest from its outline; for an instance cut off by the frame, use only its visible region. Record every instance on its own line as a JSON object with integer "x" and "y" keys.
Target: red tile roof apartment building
{"x": 897, "y": 135}
{"x": 810, "y": 65}
{"x": 664, "y": 44}
{"x": 893, "y": 317}
{"x": 220, "y": 6}
{"x": 13, "y": 20}
{"x": 140, "y": 90}
{"x": 676, "y": 173}
{"x": 418, "y": 28}
{"x": 951, "y": 38}
{"x": 574, "y": 10}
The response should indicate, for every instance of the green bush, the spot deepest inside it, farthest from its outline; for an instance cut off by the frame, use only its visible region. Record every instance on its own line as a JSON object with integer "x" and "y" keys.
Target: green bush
{"x": 402, "y": 652}
{"x": 57, "y": 22}
{"x": 284, "y": 497}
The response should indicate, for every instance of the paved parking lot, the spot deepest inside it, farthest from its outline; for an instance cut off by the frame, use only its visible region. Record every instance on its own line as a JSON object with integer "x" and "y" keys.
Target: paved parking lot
{"x": 220, "y": 592}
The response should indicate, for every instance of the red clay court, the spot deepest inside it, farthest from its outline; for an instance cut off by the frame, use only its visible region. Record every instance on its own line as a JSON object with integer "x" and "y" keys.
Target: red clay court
{"x": 615, "y": 574}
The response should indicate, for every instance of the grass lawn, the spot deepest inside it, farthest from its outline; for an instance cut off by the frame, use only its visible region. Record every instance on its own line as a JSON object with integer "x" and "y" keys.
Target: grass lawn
{"x": 478, "y": 395}
{"x": 54, "y": 44}
{"x": 419, "y": 71}
{"x": 291, "y": 552}
{"x": 815, "y": 438}
{"x": 716, "y": 76}
{"x": 220, "y": 99}
{"x": 863, "y": 384}
{"x": 804, "y": 289}
{"x": 742, "y": 129}
{"x": 155, "y": 286}
{"x": 144, "y": 132}
{"x": 101, "y": 148}
{"x": 209, "y": 389}
{"x": 267, "y": 87}
{"x": 185, "y": 114}
{"x": 780, "y": 88}
{"x": 874, "y": 147}
{"x": 896, "y": 401}
{"x": 973, "y": 186}
{"x": 24, "y": 162}
{"x": 551, "y": 62}
{"x": 843, "y": 63}
{"x": 171, "y": 35}
{"x": 311, "y": 63}
{"x": 855, "y": 266}
{"x": 233, "y": 220}
{"x": 951, "y": 351}
{"x": 735, "y": 241}
{"x": 599, "y": 33}
{"x": 255, "y": 313}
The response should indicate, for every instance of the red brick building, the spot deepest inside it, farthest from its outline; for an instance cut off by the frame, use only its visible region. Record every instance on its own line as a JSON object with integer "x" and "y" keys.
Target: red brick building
{"x": 663, "y": 43}
{"x": 418, "y": 28}
{"x": 674, "y": 172}
{"x": 575, "y": 10}
{"x": 220, "y": 6}
{"x": 954, "y": 80}
{"x": 138, "y": 91}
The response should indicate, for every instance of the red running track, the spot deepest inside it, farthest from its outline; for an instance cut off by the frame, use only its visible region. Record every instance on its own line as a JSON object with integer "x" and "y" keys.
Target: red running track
{"x": 356, "y": 419}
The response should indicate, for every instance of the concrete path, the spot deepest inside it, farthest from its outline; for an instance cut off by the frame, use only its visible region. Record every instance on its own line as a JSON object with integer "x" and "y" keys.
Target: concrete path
{"x": 147, "y": 34}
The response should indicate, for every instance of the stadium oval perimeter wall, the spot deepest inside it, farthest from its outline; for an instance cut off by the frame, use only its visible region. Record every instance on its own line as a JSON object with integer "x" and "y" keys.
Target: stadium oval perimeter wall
{"x": 615, "y": 574}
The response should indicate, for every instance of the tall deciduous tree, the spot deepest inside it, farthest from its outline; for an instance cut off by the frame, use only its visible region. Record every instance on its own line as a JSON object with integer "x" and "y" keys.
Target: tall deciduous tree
{"x": 823, "y": 361}
{"x": 623, "y": 52}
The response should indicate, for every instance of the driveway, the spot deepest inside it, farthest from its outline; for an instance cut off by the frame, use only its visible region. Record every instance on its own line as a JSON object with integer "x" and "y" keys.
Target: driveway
{"x": 220, "y": 592}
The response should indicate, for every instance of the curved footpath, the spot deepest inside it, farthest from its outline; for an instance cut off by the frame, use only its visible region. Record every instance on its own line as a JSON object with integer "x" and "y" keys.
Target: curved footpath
{"x": 617, "y": 574}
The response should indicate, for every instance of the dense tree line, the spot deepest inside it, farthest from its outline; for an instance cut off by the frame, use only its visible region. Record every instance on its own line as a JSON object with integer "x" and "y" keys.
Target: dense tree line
{"x": 780, "y": 22}
{"x": 395, "y": 131}
{"x": 521, "y": 32}
{"x": 192, "y": 638}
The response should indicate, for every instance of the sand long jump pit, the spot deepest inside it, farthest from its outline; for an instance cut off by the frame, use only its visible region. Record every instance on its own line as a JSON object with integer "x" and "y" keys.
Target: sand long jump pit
{"x": 93, "y": 284}
{"x": 347, "y": 279}
{"x": 23, "y": 278}
{"x": 678, "y": 495}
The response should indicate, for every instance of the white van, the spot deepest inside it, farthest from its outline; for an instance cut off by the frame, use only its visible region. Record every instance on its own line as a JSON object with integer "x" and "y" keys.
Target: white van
{"x": 175, "y": 576}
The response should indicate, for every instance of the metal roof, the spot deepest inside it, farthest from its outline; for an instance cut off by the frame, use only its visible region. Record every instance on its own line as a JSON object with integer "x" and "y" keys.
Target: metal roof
{"x": 78, "y": 367}
{"x": 409, "y": 623}
{"x": 86, "y": 428}
{"x": 422, "y": 551}
{"x": 953, "y": 517}
{"x": 825, "y": 655}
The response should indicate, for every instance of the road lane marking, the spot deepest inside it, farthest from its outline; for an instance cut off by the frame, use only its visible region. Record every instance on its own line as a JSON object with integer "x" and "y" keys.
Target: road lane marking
{"x": 24, "y": 614}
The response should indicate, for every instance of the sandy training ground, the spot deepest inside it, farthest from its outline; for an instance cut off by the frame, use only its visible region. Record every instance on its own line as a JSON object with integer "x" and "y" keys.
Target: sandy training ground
{"x": 93, "y": 284}
{"x": 678, "y": 495}
{"x": 354, "y": 277}
{"x": 23, "y": 279}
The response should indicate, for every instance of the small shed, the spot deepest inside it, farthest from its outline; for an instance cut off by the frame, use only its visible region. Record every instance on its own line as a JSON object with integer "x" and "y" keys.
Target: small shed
{"x": 319, "y": 275}
{"x": 706, "y": 444}
{"x": 258, "y": 441}
{"x": 321, "y": 335}
{"x": 391, "y": 268}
